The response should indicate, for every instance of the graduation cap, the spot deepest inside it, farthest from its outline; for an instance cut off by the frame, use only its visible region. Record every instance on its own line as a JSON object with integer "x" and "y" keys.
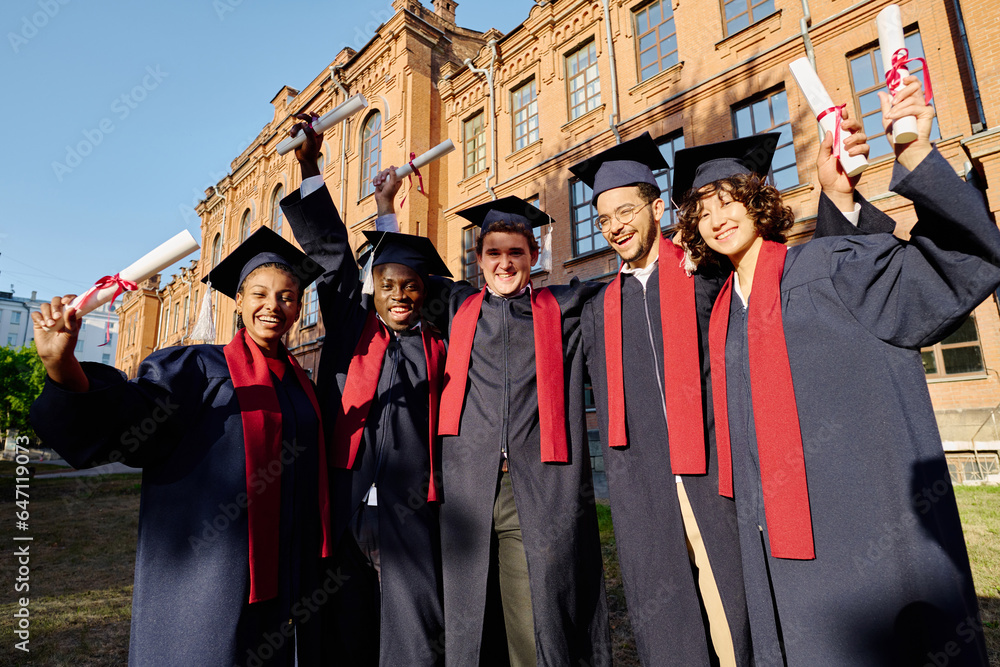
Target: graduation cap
{"x": 629, "y": 163}
{"x": 509, "y": 209}
{"x": 416, "y": 252}
{"x": 698, "y": 166}
{"x": 261, "y": 247}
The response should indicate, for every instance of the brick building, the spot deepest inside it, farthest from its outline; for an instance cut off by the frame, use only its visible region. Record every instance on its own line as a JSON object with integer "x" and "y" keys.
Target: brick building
{"x": 578, "y": 75}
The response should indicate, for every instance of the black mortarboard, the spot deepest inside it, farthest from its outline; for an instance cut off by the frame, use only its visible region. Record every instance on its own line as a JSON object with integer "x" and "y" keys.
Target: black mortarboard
{"x": 509, "y": 209}
{"x": 629, "y": 163}
{"x": 416, "y": 252}
{"x": 261, "y": 247}
{"x": 700, "y": 165}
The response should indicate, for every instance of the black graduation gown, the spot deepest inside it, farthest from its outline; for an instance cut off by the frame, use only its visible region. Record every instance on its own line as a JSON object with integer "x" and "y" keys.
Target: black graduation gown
{"x": 394, "y": 455}
{"x": 180, "y": 421}
{"x": 890, "y": 584}
{"x": 555, "y": 502}
{"x": 659, "y": 585}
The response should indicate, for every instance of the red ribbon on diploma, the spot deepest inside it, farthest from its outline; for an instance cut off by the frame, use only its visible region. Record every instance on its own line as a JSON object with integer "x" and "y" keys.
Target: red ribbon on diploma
{"x": 420, "y": 180}
{"x": 837, "y": 111}
{"x": 894, "y": 81}
{"x": 121, "y": 285}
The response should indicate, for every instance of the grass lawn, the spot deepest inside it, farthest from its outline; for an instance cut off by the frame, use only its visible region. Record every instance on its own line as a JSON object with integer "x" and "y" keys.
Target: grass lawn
{"x": 82, "y": 562}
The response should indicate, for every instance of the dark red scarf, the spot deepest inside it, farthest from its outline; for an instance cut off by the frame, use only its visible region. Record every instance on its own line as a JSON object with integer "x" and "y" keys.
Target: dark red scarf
{"x": 362, "y": 383}
{"x": 261, "y": 415}
{"x": 547, "y": 328}
{"x": 681, "y": 364}
{"x": 779, "y": 440}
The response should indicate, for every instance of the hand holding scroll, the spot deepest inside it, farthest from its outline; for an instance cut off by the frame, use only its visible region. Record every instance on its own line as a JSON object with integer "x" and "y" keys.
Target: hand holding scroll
{"x": 909, "y": 101}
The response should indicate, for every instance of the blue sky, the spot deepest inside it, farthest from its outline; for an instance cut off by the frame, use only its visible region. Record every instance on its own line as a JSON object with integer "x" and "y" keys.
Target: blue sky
{"x": 119, "y": 114}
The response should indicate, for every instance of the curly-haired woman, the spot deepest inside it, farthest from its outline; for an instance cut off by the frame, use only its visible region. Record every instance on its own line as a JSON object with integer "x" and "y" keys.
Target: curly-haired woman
{"x": 851, "y": 542}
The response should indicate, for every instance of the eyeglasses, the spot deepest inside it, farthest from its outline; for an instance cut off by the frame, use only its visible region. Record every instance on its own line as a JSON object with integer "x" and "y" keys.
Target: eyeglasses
{"x": 623, "y": 214}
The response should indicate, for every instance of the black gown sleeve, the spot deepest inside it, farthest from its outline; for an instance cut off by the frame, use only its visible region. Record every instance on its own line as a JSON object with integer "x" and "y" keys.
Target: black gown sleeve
{"x": 137, "y": 422}
{"x": 915, "y": 293}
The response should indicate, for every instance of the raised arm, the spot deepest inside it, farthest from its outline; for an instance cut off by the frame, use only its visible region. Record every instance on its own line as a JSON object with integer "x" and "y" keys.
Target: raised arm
{"x": 91, "y": 415}
{"x": 914, "y": 293}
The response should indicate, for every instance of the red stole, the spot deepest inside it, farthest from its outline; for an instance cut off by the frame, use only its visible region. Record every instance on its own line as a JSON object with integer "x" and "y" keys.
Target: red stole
{"x": 546, "y": 320}
{"x": 779, "y": 440}
{"x": 681, "y": 363}
{"x": 261, "y": 415}
{"x": 362, "y": 383}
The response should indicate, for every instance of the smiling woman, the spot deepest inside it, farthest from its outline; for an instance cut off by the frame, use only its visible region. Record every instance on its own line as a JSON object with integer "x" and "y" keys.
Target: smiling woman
{"x": 235, "y": 514}
{"x": 272, "y": 298}
{"x": 820, "y": 396}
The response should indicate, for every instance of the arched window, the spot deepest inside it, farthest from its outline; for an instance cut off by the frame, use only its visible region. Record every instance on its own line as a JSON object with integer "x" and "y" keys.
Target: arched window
{"x": 245, "y": 226}
{"x": 216, "y": 250}
{"x": 276, "y": 217}
{"x": 371, "y": 152}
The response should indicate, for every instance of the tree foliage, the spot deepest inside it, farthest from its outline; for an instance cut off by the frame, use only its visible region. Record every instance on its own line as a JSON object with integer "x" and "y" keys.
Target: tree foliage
{"x": 22, "y": 377}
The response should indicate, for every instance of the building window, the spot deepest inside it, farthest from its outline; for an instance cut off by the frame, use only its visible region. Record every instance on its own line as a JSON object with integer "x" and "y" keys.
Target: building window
{"x": 321, "y": 162}
{"x": 770, "y": 114}
{"x": 474, "y": 135}
{"x": 166, "y": 319}
{"x": 665, "y": 177}
{"x": 177, "y": 312}
{"x": 541, "y": 235}
{"x": 245, "y": 226}
{"x": 583, "y": 80}
{"x": 958, "y": 354}
{"x": 524, "y": 104}
{"x": 187, "y": 311}
{"x": 15, "y": 317}
{"x": 105, "y": 358}
{"x": 277, "y": 219}
{"x": 586, "y": 235}
{"x": 12, "y": 340}
{"x": 216, "y": 250}
{"x": 371, "y": 152}
{"x": 867, "y": 79}
{"x": 656, "y": 38}
{"x": 470, "y": 263}
{"x": 741, "y": 13}
{"x": 310, "y": 307}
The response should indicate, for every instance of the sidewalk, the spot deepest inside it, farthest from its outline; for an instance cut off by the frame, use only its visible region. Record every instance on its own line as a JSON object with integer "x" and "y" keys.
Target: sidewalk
{"x": 107, "y": 469}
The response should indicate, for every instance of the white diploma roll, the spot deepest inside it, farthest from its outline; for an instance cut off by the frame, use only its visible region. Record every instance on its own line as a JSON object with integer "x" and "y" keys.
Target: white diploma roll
{"x": 147, "y": 266}
{"x": 336, "y": 115}
{"x": 435, "y": 153}
{"x": 819, "y": 101}
{"x": 890, "y": 39}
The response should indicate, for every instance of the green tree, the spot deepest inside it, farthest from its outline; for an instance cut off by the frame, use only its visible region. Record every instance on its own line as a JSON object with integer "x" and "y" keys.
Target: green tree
{"x": 22, "y": 377}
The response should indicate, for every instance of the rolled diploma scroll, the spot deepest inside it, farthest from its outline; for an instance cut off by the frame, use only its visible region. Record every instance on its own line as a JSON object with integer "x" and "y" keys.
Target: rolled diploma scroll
{"x": 890, "y": 39}
{"x": 435, "y": 153}
{"x": 336, "y": 115}
{"x": 149, "y": 265}
{"x": 819, "y": 101}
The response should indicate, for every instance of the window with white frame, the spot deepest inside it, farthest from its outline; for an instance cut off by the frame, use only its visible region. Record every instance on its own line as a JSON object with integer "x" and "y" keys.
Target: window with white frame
{"x": 371, "y": 152}
{"x": 655, "y": 38}
{"x": 583, "y": 81}
{"x": 524, "y": 108}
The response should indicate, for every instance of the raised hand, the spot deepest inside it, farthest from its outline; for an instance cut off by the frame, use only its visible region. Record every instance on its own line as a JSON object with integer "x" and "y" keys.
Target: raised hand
{"x": 386, "y": 186}
{"x": 56, "y": 328}
{"x": 832, "y": 178}
{"x": 909, "y": 101}
{"x": 308, "y": 153}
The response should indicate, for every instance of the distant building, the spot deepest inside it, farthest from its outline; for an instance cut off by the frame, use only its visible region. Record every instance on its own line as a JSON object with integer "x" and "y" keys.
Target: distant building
{"x": 98, "y": 333}
{"x": 570, "y": 80}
